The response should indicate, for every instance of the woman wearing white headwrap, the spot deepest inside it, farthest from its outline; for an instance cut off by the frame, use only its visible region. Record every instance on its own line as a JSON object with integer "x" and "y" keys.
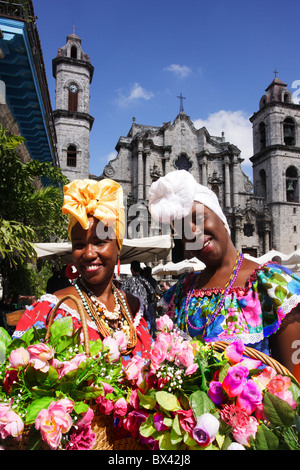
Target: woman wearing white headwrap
{"x": 232, "y": 297}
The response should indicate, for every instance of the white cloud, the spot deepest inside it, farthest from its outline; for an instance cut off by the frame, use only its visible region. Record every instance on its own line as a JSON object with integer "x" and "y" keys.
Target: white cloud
{"x": 135, "y": 93}
{"x": 181, "y": 71}
{"x": 236, "y": 127}
{"x": 111, "y": 156}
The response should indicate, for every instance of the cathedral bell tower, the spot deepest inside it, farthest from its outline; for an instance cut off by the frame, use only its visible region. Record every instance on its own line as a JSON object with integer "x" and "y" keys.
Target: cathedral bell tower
{"x": 73, "y": 72}
{"x": 276, "y": 163}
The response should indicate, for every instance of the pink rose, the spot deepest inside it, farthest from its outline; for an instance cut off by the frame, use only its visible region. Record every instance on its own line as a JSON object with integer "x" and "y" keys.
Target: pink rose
{"x": 278, "y": 386}
{"x": 265, "y": 376}
{"x": 133, "y": 370}
{"x": 164, "y": 323}
{"x": 40, "y": 354}
{"x": 250, "y": 397}
{"x": 235, "y": 380}
{"x": 19, "y": 358}
{"x": 185, "y": 357}
{"x": 243, "y": 425}
{"x": 120, "y": 408}
{"x": 121, "y": 339}
{"x": 65, "y": 367}
{"x": 113, "y": 348}
{"x": 158, "y": 355}
{"x": 55, "y": 421}
{"x": 186, "y": 420}
{"x": 81, "y": 439}
{"x": 107, "y": 388}
{"x": 234, "y": 351}
{"x": 10, "y": 422}
{"x": 191, "y": 369}
{"x": 86, "y": 418}
{"x": 206, "y": 429}
{"x": 242, "y": 433}
{"x": 133, "y": 420}
{"x": 105, "y": 406}
{"x": 134, "y": 400}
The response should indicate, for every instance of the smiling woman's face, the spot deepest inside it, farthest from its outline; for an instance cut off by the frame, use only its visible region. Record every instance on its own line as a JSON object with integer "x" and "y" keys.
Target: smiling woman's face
{"x": 94, "y": 252}
{"x": 210, "y": 237}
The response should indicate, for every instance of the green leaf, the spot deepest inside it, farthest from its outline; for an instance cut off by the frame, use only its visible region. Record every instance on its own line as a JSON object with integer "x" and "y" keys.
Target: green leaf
{"x": 176, "y": 426}
{"x": 147, "y": 428}
{"x": 175, "y": 438}
{"x": 188, "y": 440}
{"x": 165, "y": 442}
{"x": 167, "y": 401}
{"x": 95, "y": 347}
{"x": 80, "y": 407}
{"x": 5, "y": 337}
{"x": 147, "y": 401}
{"x": 265, "y": 439}
{"x": 36, "y": 406}
{"x": 201, "y": 403}
{"x": 277, "y": 411}
{"x": 61, "y": 327}
{"x": 2, "y": 352}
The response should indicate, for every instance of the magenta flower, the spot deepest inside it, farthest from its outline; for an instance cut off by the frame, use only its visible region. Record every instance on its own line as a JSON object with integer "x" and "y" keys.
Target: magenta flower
{"x": 235, "y": 380}
{"x": 234, "y": 351}
{"x": 216, "y": 393}
{"x": 250, "y": 397}
{"x": 158, "y": 419}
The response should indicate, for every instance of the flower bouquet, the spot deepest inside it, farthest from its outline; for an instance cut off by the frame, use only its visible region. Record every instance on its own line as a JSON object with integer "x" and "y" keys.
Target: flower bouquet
{"x": 192, "y": 397}
{"x": 51, "y": 391}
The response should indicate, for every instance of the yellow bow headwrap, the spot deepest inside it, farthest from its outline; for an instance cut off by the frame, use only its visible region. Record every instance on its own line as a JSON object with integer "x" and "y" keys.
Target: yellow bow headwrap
{"x": 101, "y": 199}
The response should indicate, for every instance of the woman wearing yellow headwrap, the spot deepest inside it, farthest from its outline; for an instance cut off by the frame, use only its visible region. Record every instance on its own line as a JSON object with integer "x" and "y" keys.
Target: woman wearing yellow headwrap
{"x": 96, "y": 230}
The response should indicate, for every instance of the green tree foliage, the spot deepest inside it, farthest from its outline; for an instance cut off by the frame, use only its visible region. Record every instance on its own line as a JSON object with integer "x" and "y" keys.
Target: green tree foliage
{"x": 29, "y": 210}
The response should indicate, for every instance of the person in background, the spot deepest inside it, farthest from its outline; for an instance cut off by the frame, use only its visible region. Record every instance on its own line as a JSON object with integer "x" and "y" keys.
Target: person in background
{"x": 58, "y": 280}
{"x": 233, "y": 297}
{"x": 141, "y": 288}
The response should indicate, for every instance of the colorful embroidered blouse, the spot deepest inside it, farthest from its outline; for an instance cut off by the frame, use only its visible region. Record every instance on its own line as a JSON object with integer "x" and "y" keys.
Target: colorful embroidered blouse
{"x": 251, "y": 313}
{"x": 37, "y": 316}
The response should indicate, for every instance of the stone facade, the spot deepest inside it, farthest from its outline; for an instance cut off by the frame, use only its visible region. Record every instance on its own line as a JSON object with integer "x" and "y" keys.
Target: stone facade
{"x": 73, "y": 73}
{"x": 148, "y": 152}
{"x": 276, "y": 163}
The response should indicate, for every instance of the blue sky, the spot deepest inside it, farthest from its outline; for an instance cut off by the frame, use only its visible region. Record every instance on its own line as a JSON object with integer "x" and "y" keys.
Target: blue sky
{"x": 220, "y": 55}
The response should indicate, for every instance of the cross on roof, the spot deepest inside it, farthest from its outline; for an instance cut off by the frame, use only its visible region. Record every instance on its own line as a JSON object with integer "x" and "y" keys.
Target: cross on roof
{"x": 275, "y": 72}
{"x": 74, "y": 27}
{"x": 181, "y": 102}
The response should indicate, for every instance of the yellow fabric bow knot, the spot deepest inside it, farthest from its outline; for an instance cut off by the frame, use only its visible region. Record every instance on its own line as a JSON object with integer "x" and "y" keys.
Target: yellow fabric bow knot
{"x": 101, "y": 199}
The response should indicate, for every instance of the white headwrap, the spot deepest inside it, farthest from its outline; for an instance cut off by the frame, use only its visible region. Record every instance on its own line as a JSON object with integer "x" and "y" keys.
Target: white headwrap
{"x": 171, "y": 197}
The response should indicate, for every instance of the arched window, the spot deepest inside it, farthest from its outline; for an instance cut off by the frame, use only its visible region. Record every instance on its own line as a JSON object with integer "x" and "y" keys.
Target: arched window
{"x": 262, "y": 135}
{"x": 262, "y": 184}
{"x": 183, "y": 162}
{"x": 289, "y": 131}
{"x": 292, "y": 186}
{"x": 73, "y": 97}
{"x": 74, "y": 52}
{"x": 72, "y": 156}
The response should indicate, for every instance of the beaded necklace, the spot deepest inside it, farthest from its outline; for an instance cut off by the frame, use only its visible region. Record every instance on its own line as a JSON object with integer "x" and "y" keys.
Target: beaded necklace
{"x": 96, "y": 312}
{"x": 221, "y": 300}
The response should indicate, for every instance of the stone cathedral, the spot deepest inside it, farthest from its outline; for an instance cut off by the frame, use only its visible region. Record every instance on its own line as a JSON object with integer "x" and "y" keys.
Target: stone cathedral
{"x": 262, "y": 215}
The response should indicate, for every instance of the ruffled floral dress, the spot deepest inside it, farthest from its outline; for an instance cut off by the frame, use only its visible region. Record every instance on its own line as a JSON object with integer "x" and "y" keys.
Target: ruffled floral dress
{"x": 251, "y": 313}
{"x": 37, "y": 316}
